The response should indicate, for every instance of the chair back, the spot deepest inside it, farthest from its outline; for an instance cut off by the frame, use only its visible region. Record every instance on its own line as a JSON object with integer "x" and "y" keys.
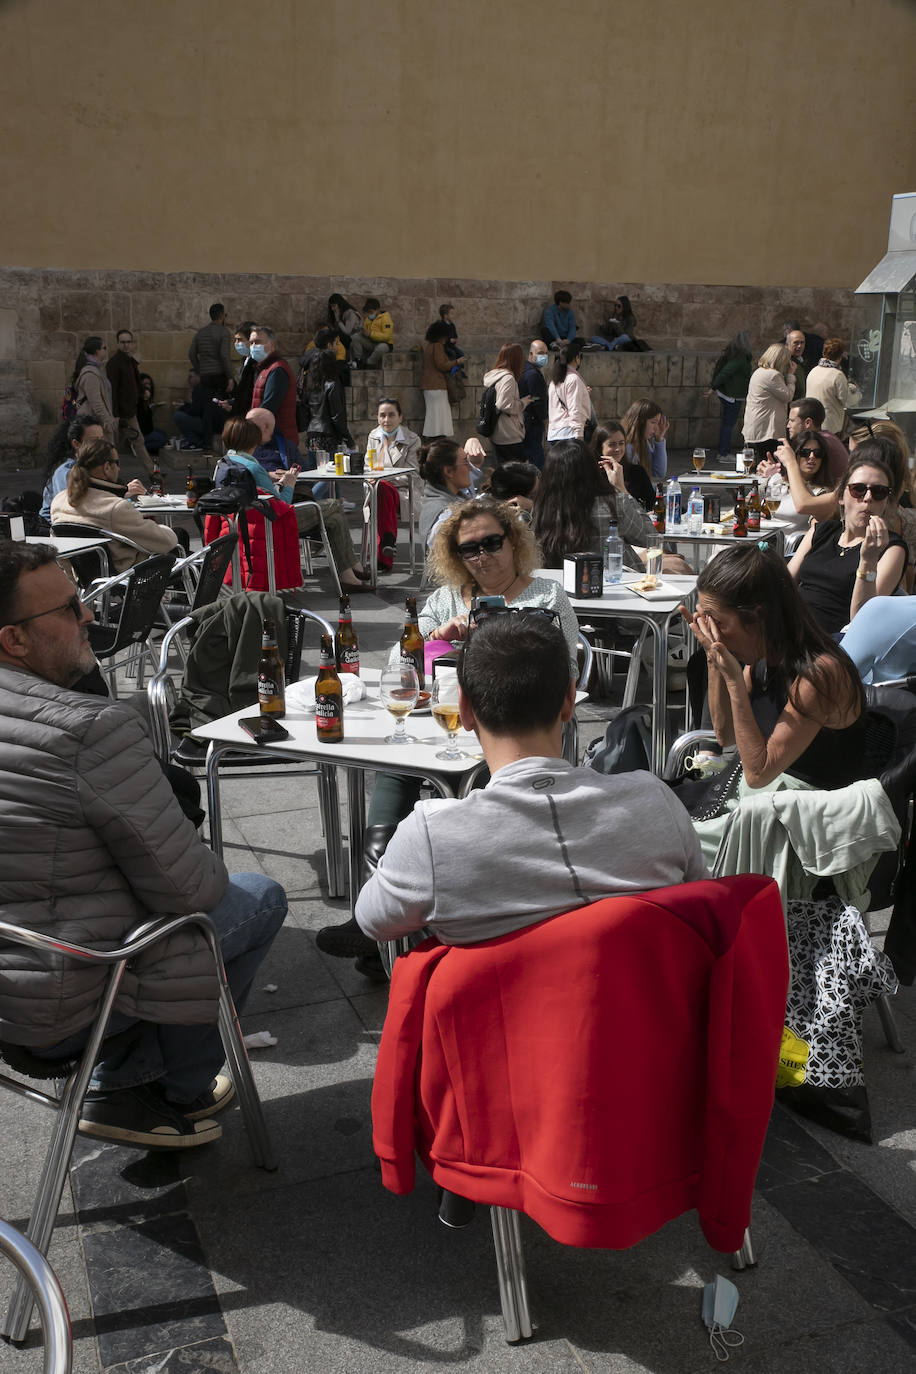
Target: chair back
{"x": 145, "y": 585}
{"x": 85, "y": 565}
{"x": 214, "y": 563}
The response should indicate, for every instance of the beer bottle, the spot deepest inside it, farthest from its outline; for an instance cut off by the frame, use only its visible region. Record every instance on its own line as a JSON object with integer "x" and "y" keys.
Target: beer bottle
{"x": 328, "y": 696}
{"x": 739, "y": 530}
{"x": 347, "y": 642}
{"x": 660, "y": 513}
{"x": 191, "y": 489}
{"x": 411, "y": 643}
{"x": 753, "y": 510}
{"x": 271, "y": 683}
{"x": 156, "y": 484}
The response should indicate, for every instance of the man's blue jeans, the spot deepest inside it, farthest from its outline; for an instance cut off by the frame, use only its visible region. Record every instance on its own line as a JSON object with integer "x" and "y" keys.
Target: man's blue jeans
{"x": 727, "y": 424}
{"x": 183, "y": 1060}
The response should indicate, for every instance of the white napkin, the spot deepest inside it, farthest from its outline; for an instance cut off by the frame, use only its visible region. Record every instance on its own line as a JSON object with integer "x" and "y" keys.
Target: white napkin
{"x": 302, "y": 694}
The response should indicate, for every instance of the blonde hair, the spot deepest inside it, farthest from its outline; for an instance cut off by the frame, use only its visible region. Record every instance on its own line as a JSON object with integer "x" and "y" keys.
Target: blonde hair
{"x": 776, "y": 356}
{"x": 449, "y": 569}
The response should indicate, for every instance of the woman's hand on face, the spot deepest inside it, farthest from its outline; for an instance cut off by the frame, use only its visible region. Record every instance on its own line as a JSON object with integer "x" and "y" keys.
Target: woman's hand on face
{"x": 719, "y": 658}
{"x": 874, "y": 544}
{"x": 613, "y": 471}
{"x": 661, "y": 426}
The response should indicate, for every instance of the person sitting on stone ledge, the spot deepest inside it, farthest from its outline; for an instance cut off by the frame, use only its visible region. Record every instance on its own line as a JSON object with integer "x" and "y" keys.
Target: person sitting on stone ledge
{"x": 118, "y": 853}
{"x": 375, "y": 339}
{"x": 558, "y": 322}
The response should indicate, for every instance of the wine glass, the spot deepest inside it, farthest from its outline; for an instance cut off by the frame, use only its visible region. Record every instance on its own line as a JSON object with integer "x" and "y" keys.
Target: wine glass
{"x": 699, "y": 459}
{"x": 445, "y": 713}
{"x": 399, "y": 688}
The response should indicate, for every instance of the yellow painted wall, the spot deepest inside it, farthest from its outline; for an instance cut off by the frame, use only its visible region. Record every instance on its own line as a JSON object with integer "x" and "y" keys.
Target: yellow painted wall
{"x": 615, "y": 140}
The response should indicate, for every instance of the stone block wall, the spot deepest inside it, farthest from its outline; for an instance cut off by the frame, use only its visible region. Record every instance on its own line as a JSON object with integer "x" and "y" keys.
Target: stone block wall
{"x": 45, "y": 314}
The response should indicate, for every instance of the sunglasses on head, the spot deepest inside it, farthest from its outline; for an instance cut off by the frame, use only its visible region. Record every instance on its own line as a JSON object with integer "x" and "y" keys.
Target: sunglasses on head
{"x": 878, "y": 490}
{"x": 474, "y": 548}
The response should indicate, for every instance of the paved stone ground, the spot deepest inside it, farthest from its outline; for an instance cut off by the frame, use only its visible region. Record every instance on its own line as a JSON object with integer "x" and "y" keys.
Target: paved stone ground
{"x": 204, "y": 1263}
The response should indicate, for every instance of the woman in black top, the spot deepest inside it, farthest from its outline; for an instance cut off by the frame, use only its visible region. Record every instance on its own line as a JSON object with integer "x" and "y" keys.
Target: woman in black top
{"x": 842, "y": 563}
{"x": 609, "y": 441}
{"x": 780, "y": 688}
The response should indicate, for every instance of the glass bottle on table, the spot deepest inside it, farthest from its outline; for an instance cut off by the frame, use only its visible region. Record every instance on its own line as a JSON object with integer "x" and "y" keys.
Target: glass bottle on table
{"x": 191, "y": 489}
{"x": 660, "y": 513}
{"x": 347, "y": 642}
{"x": 411, "y": 643}
{"x": 753, "y": 509}
{"x": 328, "y": 696}
{"x": 695, "y": 512}
{"x": 613, "y": 557}
{"x": 156, "y": 484}
{"x": 271, "y": 677}
{"x": 739, "y": 529}
{"x": 445, "y": 713}
{"x": 399, "y": 691}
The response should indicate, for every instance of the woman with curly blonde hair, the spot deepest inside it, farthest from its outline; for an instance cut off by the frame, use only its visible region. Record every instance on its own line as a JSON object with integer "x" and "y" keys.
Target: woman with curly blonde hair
{"x": 483, "y": 549}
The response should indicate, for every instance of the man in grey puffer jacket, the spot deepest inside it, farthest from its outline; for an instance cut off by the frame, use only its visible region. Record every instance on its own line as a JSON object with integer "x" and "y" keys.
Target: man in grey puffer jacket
{"x": 92, "y": 841}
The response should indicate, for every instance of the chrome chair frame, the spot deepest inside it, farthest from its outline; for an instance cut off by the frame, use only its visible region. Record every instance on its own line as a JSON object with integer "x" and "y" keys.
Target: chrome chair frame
{"x": 135, "y": 650}
{"x": 304, "y": 538}
{"x": 48, "y": 1294}
{"x": 69, "y": 1103}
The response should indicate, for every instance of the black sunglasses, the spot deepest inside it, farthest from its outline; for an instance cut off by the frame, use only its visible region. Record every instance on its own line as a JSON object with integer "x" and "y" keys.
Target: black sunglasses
{"x": 479, "y": 613}
{"x": 809, "y": 453}
{"x": 74, "y": 604}
{"x": 878, "y": 490}
{"x": 471, "y": 551}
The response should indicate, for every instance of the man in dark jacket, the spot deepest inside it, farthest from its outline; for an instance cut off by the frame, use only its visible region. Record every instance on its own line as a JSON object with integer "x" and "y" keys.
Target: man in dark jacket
{"x": 108, "y": 847}
{"x": 124, "y": 375}
{"x": 532, "y": 383}
{"x": 210, "y": 357}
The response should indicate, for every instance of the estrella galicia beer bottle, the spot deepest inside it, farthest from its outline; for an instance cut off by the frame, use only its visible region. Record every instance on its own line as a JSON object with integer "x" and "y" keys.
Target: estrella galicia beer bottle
{"x": 328, "y": 696}
{"x": 271, "y": 678}
{"x": 412, "y": 642}
{"x": 347, "y": 642}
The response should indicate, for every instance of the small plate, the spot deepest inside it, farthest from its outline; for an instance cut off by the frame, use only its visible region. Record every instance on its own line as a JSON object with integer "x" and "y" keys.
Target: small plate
{"x": 424, "y": 705}
{"x": 663, "y": 591}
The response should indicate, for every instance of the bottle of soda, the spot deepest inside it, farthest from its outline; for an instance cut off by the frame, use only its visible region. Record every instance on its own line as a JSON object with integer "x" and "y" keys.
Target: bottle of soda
{"x": 411, "y": 642}
{"x": 753, "y": 510}
{"x": 739, "y": 529}
{"x": 191, "y": 489}
{"x": 347, "y": 642}
{"x": 328, "y": 696}
{"x": 660, "y": 513}
{"x": 156, "y": 484}
{"x": 271, "y": 678}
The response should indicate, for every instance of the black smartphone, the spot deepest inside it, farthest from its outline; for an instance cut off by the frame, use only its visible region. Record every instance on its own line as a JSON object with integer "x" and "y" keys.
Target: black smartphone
{"x": 263, "y": 729}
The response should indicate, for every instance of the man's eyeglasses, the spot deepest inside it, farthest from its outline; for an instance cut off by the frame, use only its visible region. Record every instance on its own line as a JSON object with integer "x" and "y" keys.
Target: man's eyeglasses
{"x": 74, "y": 604}
{"x": 470, "y": 552}
{"x": 878, "y": 490}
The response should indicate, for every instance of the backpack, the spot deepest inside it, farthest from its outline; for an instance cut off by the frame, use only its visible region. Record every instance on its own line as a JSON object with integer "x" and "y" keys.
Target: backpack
{"x": 234, "y": 492}
{"x": 68, "y": 404}
{"x": 488, "y": 411}
{"x": 627, "y": 743}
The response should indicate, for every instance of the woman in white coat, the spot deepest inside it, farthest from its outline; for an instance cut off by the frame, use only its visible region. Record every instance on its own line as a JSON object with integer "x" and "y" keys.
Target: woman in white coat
{"x": 771, "y": 389}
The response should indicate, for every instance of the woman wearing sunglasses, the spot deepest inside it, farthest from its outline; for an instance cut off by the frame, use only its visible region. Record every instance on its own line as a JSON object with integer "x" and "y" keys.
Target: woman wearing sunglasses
{"x": 843, "y": 563}
{"x": 799, "y": 481}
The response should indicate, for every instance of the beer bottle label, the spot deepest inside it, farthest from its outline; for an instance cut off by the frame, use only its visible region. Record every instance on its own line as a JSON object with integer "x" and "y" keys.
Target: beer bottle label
{"x": 410, "y": 660}
{"x": 349, "y": 660}
{"x": 328, "y": 712}
{"x": 268, "y": 687}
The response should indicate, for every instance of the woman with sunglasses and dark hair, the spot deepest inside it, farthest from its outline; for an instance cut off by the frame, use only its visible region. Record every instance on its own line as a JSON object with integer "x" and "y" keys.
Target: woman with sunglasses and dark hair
{"x": 845, "y": 562}
{"x": 798, "y": 485}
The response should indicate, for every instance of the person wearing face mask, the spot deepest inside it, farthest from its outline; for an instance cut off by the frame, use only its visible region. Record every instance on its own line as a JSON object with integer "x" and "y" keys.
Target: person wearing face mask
{"x": 399, "y": 446}
{"x": 240, "y": 402}
{"x": 376, "y": 338}
{"x": 274, "y": 383}
{"x": 532, "y": 383}
{"x": 211, "y": 359}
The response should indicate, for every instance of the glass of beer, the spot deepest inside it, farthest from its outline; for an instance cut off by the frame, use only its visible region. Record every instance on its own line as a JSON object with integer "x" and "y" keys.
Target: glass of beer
{"x": 445, "y": 713}
{"x": 699, "y": 459}
{"x": 399, "y": 688}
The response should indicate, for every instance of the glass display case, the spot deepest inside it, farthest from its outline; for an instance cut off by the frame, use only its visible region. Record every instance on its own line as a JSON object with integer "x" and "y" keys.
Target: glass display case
{"x": 882, "y": 354}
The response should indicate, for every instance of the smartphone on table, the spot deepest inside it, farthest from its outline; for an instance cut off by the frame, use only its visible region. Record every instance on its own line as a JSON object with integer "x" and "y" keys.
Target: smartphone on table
{"x": 263, "y": 729}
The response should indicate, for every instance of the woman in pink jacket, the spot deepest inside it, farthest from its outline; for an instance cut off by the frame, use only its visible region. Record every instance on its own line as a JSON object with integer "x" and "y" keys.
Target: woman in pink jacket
{"x": 568, "y": 403}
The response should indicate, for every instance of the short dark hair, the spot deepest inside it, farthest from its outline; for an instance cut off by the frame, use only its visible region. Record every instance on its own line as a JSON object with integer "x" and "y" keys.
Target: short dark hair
{"x": 514, "y": 670}
{"x": 372, "y": 304}
{"x": 16, "y": 559}
{"x": 390, "y": 401}
{"x": 263, "y": 329}
{"x": 245, "y": 327}
{"x": 217, "y": 310}
{"x": 437, "y": 332}
{"x": 444, "y": 309}
{"x": 242, "y": 435}
{"x": 809, "y": 408}
{"x": 324, "y": 338}
{"x": 125, "y": 330}
{"x": 562, "y": 298}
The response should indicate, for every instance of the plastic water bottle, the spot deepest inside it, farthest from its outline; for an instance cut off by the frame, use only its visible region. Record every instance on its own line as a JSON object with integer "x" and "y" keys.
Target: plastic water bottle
{"x": 673, "y": 513}
{"x": 695, "y": 512}
{"x": 613, "y": 557}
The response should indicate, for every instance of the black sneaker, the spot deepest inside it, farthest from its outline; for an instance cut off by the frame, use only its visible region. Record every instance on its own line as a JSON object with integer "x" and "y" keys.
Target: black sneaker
{"x": 219, "y": 1095}
{"x": 142, "y": 1116}
{"x": 345, "y": 941}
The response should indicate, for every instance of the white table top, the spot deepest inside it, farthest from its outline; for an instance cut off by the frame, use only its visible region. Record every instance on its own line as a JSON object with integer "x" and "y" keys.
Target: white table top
{"x": 725, "y": 478}
{"x": 328, "y": 474}
{"x": 712, "y": 535}
{"x": 620, "y": 598}
{"x": 67, "y": 545}
{"x": 365, "y": 726}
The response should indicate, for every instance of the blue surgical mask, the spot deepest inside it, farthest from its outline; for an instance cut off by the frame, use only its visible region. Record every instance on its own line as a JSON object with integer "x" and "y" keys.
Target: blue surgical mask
{"x": 392, "y": 429}
{"x": 258, "y": 353}
{"x": 242, "y": 350}
{"x": 372, "y": 314}
{"x": 541, "y": 359}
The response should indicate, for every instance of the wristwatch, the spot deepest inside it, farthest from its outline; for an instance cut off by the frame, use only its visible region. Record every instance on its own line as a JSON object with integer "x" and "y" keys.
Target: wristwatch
{"x": 864, "y": 576}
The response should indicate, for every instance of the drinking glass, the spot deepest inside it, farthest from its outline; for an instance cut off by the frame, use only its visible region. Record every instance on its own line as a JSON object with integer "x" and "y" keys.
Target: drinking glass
{"x": 653, "y": 557}
{"x": 399, "y": 688}
{"x": 699, "y": 459}
{"x": 445, "y": 713}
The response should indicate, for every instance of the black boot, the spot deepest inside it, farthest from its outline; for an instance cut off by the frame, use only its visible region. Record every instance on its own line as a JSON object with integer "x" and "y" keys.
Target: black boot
{"x": 347, "y": 941}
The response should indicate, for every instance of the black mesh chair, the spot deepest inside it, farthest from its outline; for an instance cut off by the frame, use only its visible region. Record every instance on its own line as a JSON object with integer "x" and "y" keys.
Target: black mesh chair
{"x": 122, "y": 636}
{"x": 86, "y": 566}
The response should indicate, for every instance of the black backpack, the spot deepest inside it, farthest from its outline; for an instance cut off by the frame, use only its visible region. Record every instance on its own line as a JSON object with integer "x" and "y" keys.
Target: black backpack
{"x": 488, "y": 411}
{"x": 234, "y": 492}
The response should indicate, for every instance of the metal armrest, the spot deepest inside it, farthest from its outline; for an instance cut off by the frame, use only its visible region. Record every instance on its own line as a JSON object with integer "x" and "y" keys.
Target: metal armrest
{"x": 682, "y": 746}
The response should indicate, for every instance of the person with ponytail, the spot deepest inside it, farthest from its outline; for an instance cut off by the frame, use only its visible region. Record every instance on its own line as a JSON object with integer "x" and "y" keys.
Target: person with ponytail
{"x": 94, "y": 496}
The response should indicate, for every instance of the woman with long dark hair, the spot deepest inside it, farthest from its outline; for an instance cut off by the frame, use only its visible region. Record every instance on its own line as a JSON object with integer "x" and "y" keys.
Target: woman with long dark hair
{"x": 344, "y": 319}
{"x": 577, "y": 500}
{"x": 646, "y": 425}
{"x": 798, "y": 481}
{"x": 437, "y": 421}
{"x": 91, "y": 386}
{"x": 609, "y": 442}
{"x": 568, "y": 404}
{"x": 445, "y": 470}
{"x": 509, "y": 434}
